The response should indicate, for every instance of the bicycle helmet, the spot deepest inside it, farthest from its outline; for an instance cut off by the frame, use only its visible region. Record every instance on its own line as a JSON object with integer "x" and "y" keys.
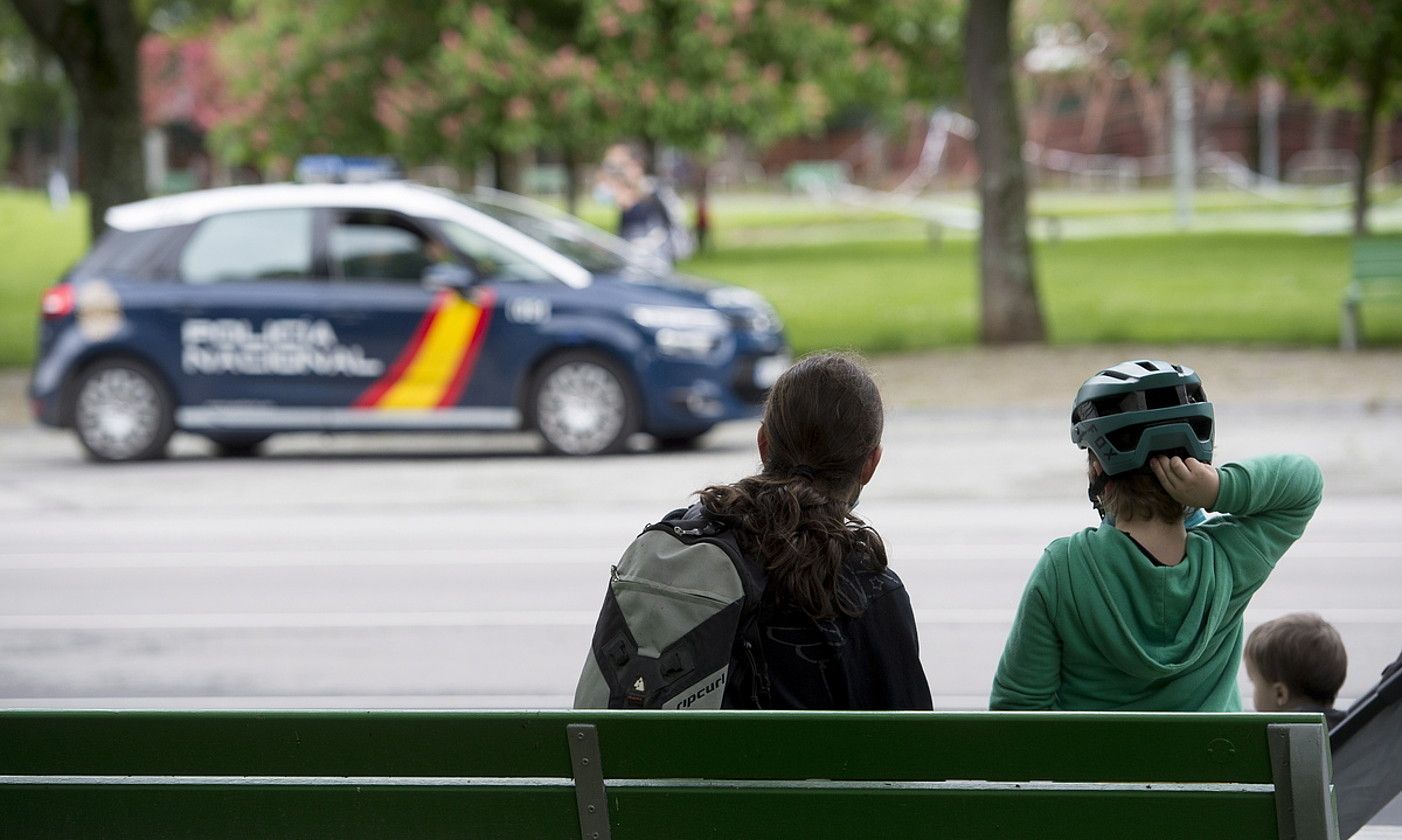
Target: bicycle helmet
{"x": 1127, "y": 413}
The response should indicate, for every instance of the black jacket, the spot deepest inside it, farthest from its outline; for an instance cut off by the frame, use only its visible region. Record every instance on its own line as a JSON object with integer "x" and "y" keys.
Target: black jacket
{"x": 866, "y": 662}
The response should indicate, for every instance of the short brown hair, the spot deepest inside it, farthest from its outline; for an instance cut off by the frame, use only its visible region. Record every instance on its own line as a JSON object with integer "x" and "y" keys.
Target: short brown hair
{"x": 1138, "y": 496}
{"x": 1303, "y": 651}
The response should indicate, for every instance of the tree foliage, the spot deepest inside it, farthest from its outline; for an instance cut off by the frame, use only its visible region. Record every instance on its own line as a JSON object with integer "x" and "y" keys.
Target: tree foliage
{"x": 303, "y": 77}
{"x": 447, "y": 81}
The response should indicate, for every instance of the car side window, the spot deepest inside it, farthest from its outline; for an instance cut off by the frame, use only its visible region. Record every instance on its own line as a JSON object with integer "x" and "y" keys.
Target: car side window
{"x": 371, "y": 245}
{"x": 491, "y": 260}
{"x": 251, "y": 245}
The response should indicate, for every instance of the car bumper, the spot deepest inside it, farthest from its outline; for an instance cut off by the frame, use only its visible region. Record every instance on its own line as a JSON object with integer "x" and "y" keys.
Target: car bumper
{"x": 698, "y": 396}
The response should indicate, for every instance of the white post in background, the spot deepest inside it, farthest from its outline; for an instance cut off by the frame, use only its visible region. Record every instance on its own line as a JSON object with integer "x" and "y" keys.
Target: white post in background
{"x": 1271, "y": 94}
{"x": 1184, "y": 175}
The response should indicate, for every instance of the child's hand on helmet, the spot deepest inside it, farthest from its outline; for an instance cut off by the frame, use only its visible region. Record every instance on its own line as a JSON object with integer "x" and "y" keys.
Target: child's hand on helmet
{"x": 1188, "y": 481}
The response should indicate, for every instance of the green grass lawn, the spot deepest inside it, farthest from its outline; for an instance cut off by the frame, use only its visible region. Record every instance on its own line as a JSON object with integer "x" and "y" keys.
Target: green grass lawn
{"x": 36, "y": 245}
{"x": 869, "y": 281}
{"x": 1217, "y": 288}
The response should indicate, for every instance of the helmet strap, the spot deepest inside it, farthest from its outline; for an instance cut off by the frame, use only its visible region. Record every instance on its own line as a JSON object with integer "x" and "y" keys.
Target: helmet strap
{"x": 1097, "y": 486}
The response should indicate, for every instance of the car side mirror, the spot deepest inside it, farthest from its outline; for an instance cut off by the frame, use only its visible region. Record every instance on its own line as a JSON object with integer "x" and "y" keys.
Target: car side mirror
{"x": 447, "y": 275}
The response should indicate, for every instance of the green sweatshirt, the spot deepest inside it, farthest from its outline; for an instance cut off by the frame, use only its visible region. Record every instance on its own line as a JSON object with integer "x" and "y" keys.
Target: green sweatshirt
{"x": 1102, "y": 627}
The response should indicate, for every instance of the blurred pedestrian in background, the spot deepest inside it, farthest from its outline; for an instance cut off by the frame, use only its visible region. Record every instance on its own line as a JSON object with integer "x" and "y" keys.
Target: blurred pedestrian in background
{"x": 649, "y": 215}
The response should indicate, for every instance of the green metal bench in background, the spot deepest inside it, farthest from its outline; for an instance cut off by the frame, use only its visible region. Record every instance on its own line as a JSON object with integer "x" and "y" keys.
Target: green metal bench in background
{"x": 663, "y": 775}
{"x": 1377, "y": 273}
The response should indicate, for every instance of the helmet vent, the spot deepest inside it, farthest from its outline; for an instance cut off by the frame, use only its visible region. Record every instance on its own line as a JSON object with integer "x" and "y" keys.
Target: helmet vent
{"x": 1149, "y": 366}
{"x": 1163, "y": 398}
{"x": 1125, "y": 440}
{"x": 1115, "y": 374}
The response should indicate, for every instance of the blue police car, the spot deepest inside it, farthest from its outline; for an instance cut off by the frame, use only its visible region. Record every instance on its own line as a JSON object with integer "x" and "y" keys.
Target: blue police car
{"x": 243, "y": 312}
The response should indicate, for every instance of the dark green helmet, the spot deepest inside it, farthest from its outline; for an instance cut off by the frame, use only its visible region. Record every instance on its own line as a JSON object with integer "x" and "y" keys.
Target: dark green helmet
{"x": 1133, "y": 410}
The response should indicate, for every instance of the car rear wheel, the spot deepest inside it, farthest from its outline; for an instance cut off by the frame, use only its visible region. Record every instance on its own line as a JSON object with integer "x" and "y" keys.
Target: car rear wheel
{"x": 122, "y": 411}
{"x": 583, "y": 404}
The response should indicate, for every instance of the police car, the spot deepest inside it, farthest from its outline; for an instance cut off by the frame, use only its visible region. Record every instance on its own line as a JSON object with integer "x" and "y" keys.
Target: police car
{"x": 243, "y": 312}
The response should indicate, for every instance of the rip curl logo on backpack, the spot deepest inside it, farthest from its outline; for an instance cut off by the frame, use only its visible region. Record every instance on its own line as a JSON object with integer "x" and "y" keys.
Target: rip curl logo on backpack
{"x": 712, "y": 687}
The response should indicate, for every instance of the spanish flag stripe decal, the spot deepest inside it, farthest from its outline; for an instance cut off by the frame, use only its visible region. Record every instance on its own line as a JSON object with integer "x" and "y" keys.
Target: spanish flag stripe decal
{"x": 436, "y": 362}
{"x": 469, "y": 358}
{"x": 434, "y": 367}
{"x": 373, "y": 394}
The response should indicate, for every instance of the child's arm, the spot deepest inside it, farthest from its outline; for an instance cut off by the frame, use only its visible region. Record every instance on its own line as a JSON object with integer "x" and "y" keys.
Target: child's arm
{"x": 1269, "y": 501}
{"x": 1029, "y": 673}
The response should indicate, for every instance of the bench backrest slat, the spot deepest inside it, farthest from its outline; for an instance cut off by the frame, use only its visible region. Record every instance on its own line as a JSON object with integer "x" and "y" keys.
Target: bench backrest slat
{"x": 239, "y": 813}
{"x": 726, "y": 745}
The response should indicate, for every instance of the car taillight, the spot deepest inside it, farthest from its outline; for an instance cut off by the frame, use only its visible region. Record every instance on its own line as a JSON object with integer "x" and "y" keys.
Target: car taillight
{"x": 57, "y": 302}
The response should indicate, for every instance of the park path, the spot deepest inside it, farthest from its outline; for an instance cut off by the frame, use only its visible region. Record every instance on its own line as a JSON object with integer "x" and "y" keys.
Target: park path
{"x": 1036, "y": 376}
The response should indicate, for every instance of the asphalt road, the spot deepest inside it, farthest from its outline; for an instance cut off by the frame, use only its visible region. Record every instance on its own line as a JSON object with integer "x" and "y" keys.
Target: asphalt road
{"x": 466, "y": 571}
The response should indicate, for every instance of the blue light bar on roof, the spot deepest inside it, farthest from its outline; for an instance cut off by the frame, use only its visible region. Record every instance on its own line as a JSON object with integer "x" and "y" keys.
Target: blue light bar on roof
{"x": 343, "y": 169}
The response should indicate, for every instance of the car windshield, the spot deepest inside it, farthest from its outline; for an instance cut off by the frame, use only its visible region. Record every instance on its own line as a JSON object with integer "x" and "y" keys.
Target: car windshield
{"x": 595, "y": 250}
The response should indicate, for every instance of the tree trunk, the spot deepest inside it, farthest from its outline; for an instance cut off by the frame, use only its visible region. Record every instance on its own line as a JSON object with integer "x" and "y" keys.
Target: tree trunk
{"x": 96, "y": 42}
{"x": 1009, "y": 293}
{"x": 1374, "y": 89}
{"x": 703, "y": 207}
{"x": 570, "y": 160}
{"x": 506, "y": 170}
{"x": 650, "y": 155}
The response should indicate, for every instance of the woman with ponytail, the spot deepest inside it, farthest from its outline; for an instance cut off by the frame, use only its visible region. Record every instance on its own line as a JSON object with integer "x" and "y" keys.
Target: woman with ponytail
{"x": 822, "y": 622}
{"x": 836, "y": 628}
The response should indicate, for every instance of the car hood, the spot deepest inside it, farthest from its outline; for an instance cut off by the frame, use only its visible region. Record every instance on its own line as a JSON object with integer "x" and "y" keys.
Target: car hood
{"x": 747, "y": 308}
{"x": 674, "y": 289}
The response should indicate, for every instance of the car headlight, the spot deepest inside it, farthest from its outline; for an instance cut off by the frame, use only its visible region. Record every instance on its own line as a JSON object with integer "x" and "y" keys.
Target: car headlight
{"x": 683, "y": 330}
{"x": 747, "y": 309}
{"x": 678, "y": 318}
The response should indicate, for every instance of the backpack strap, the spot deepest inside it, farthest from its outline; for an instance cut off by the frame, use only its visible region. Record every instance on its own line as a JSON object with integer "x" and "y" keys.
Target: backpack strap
{"x": 748, "y": 683}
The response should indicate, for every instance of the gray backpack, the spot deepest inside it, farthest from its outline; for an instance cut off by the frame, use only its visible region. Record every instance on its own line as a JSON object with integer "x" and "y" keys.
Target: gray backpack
{"x": 677, "y": 629}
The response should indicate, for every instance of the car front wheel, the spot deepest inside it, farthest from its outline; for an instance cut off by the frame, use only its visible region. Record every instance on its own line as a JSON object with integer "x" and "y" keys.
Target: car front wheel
{"x": 583, "y": 404}
{"x": 122, "y": 411}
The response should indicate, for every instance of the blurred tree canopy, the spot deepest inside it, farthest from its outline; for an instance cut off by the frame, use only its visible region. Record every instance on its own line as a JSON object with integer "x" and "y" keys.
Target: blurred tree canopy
{"x": 439, "y": 81}
{"x": 1346, "y": 50}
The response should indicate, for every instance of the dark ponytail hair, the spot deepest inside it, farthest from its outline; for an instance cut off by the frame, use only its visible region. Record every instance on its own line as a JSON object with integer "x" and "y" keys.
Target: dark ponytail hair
{"x": 823, "y": 419}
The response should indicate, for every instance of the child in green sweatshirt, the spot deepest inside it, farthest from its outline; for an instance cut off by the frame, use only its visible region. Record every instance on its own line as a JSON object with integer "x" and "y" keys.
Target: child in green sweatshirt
{"x": 1143, "y": 613}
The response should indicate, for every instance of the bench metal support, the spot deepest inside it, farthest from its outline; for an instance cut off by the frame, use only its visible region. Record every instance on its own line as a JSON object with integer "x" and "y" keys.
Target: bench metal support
{"x": 1304, "y": 799}
{"x": 587, "y": 768}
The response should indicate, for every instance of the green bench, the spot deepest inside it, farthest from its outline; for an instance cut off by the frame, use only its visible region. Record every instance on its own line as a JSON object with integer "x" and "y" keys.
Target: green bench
{"x": 664, "y": 775}
{"x": 1377, "y": 273}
